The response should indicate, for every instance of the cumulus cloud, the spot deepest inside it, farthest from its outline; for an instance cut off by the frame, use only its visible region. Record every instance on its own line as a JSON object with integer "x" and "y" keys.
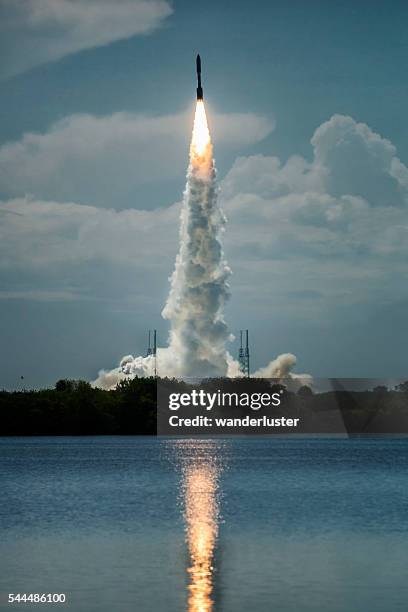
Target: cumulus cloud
{"x": 34, "y": 32}
{"x": 360, "y": 161}
{"x": 348, "y": 159}
{"x": 102, "y": 160}
{"x": 335, "y": 227}
{"x": 67, "y": 252}
{"x": 35, "y": 233}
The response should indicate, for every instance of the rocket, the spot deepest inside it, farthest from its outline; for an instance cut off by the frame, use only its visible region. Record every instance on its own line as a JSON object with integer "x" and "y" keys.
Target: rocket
{"x": 199, "y": 88}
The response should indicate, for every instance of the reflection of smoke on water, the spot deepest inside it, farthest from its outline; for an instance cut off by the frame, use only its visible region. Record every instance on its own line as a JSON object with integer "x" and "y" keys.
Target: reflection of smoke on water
{"x": 200, "y": 464}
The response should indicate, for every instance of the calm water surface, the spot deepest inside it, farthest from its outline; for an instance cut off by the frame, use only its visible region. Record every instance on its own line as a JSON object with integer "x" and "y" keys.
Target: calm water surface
{"x": 143, "y": 524}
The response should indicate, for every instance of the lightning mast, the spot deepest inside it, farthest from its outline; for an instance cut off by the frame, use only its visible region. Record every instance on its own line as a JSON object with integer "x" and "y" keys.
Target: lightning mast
{"x": 243, "y": 355}
{"x": 152, "y": 348}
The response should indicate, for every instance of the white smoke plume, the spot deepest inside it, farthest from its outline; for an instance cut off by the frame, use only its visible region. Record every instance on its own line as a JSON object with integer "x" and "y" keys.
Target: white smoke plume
{"x": 199, "y": 288}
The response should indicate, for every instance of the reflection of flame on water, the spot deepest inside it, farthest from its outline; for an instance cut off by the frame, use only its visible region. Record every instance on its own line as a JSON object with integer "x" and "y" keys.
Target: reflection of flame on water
{"x": 201, "y": 514}
{"x": 201, "y": 518}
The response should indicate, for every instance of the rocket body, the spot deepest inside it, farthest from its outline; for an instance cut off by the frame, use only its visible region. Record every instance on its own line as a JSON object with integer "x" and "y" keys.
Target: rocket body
{"x": 199, "y": 88}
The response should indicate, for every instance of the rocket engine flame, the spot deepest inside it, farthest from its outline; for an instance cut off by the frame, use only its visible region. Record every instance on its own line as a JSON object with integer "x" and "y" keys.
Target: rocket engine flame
{"x": 201, "y": 134}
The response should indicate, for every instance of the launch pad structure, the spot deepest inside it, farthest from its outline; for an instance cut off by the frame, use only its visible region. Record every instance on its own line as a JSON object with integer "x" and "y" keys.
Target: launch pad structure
{"x": 152, "y": 348}
{"x": 243, "y": 355}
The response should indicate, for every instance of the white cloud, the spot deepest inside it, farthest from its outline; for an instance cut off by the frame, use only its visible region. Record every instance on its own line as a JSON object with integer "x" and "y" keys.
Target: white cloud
{"x": 102, "y": 160}
{"x": 44, "y": 234}
{"x": 360, "y": 162}
{"x": 34, "y": 32}
{"x": 335, "y": 227}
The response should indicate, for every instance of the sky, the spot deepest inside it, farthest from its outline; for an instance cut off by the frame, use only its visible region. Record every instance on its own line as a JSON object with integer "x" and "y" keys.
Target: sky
{"x": 306, "y": 103}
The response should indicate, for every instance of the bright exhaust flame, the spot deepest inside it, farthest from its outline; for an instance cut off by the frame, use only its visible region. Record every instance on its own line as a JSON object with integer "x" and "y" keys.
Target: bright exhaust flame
{"x": 201, "y": 135}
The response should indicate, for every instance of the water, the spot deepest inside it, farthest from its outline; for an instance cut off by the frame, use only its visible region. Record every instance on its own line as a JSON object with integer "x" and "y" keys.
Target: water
{"x": 122, "y": 524}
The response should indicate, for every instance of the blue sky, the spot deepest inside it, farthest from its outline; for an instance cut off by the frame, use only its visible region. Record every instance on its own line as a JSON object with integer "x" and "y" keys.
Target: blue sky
{"x": 95, "y": 119}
